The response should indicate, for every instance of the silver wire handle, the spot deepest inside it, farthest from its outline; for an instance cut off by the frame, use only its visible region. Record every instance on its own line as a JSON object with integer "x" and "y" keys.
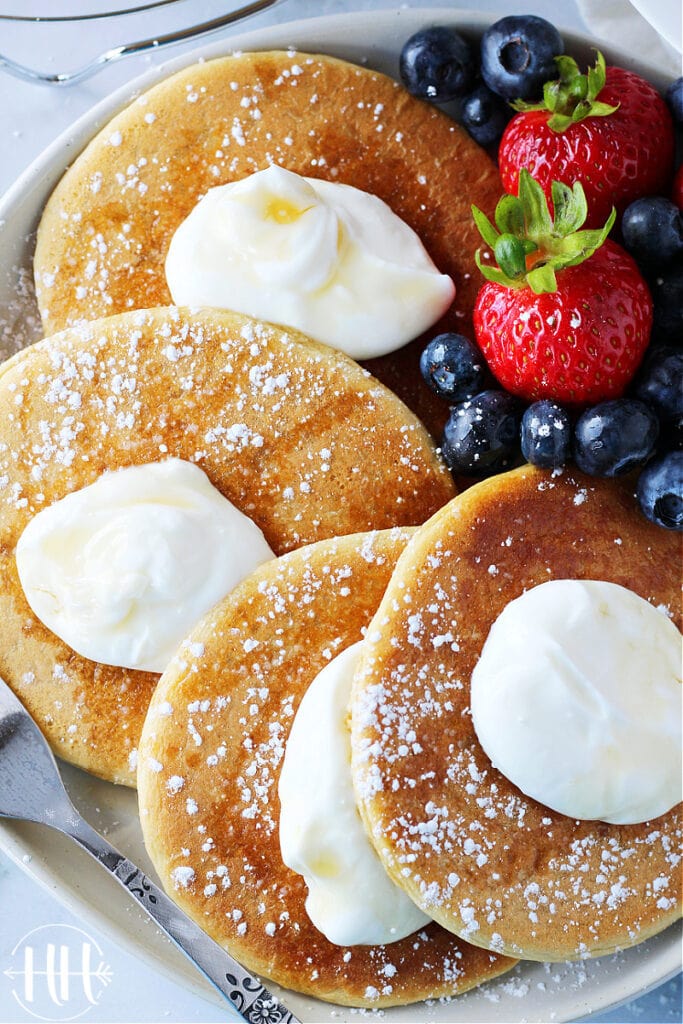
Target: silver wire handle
{"x": 127, "y": 49}
{"x": 91, "y": 16}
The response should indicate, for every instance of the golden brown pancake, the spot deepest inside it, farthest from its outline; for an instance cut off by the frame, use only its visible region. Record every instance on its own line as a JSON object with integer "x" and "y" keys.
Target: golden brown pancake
{"x": 105, "y": 233}
{"x": 487, "y": 862}
{"x": 296, "y": 435}
{"x": 209, "y": 765}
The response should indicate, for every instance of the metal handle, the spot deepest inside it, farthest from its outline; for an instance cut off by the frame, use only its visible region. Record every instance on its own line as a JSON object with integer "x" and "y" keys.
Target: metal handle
{"x": 129, "y": 49}
{"x": 52, "y": 19}
{"x": 247, "y": 994}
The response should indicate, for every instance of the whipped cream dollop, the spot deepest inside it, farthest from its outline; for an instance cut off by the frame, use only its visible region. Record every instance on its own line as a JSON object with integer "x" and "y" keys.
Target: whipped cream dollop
{"x": 577, "y": 700}
{"x": 325, "y": 258}
{"x": 351, "y": 898}
{"x": 123, "y": 569}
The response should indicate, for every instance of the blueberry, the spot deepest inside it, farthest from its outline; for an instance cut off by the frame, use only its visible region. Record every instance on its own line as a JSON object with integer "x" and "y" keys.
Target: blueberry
{"x": 652, "y": 229}
{"x": 660, "y": 382}
{"x": 453, "y": 367}
{"x": 674, "y": 97}
{"x": 671, "y": 435}
{"x": 660, "y": 491}
{"x": 484, "y": 115}
{"x": 481, "y": 434}
{"x": 546, "y": 434}
{"x": 614, "y": 437}
{"x": 667, "y": 296}
{"x": 437, "y": 64}
{"x": 517, "y": 56}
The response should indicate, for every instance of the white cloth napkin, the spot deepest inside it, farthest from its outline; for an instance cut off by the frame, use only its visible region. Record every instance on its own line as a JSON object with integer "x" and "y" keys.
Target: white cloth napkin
{"x": 619, "y": 23}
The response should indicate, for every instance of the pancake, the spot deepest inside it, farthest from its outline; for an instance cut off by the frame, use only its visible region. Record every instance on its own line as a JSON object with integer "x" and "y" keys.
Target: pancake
{"x": 104, "y": 235}
{"x": 296, "y": 435}
{"x": 209, "y": 763}
{"x": 487, "y": 862}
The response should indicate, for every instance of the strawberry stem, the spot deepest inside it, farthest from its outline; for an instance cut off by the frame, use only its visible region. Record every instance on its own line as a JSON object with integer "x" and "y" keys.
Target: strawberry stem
{"x": 573, "y": 96}
{"x": 529, "y": 244}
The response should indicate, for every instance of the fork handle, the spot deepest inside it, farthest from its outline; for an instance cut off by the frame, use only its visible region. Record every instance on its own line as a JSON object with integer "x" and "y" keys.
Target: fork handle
{"x": 247, "y": 994}
{"x": 128, "y": 49}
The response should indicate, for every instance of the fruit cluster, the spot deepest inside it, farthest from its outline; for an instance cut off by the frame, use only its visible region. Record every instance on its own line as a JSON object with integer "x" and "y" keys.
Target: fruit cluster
{"x": 583, "y": 334}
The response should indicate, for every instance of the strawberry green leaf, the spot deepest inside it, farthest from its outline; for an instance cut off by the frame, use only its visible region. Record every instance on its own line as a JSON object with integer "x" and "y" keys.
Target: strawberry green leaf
{"x": 542, "y": 279}
{"x": 486, "y": 228}
{"x": 495, "y": 274}
{"x": 510, "y": 253}
{"x": 531, "y": 246}
{"x": 550, "y": 99}
{"x": 581, "y": 110}
{"x": 577, "y": 90}
{"x": 599, "y": 109}
{"x": 597, "y": 76}
{"x": 567, "y": 67}
{"x": 510, "y": 216}
{"x": 577, "y": 247}
{"x": 570, "y": 207}
{"x": 572, "y": 96}
{"x": 559, "y": 123}
{"x": 537, "y": 217}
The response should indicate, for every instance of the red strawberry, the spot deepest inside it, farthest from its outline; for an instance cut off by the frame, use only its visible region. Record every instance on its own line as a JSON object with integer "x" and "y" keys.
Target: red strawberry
{"x": 566, "y": 314}
{"x": 608, "y": 129}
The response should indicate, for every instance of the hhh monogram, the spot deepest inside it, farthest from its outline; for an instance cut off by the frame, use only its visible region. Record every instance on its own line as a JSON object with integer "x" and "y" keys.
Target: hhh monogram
{"x": 58, "y": 972}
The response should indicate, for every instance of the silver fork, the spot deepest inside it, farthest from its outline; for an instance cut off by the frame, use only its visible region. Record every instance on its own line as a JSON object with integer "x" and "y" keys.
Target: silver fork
{"x": 125, "y": 49}
{"x": 31, "y": 789}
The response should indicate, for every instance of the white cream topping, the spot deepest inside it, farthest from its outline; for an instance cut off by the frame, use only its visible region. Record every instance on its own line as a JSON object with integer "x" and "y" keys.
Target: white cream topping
{"x": 576, "y": 699}
{"x": 122, "y": 570}
{"x": 351, "y": 898}
{"x": 325, "y": 258}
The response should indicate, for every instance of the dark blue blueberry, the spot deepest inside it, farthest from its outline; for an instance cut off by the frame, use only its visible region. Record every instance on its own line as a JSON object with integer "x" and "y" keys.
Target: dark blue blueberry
{"x": 481, "y": 435}
{"x": 517, "y": 56}
{"x": 437, "y": 64}
{"x": 667, "y": 296}
{"x": 674, "y": 97}
{"x": 484, "y": 115}
{"x": 453, "y": 367}
{"x": 615, "y": 437}
{"x": 660, "y": 382}
{"x": 671, "y": 435}
{"x": 652, "y": 230}
{"x": 546, "y": 434}
{"x": 660, "y": 491}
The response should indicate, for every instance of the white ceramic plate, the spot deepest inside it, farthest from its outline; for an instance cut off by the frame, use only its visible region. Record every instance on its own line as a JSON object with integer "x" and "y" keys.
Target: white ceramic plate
{"x": 532, "y": 992}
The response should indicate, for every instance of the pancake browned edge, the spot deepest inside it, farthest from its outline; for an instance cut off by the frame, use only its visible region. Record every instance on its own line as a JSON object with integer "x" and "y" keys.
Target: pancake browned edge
{"x": 105, "y": 232}
{"x": 210, "y": 758}
{"x": 489, "y": 863}
{"x": 296, "y": 435}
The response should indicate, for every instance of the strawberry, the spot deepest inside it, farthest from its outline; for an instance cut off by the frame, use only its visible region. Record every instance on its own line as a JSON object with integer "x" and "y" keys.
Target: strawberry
{"x": 608, "y": 129}
{"x": 566, "y": 314}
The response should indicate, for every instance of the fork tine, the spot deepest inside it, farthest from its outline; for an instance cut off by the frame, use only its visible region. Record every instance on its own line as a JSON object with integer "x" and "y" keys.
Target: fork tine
{"x": 30, "y": 784}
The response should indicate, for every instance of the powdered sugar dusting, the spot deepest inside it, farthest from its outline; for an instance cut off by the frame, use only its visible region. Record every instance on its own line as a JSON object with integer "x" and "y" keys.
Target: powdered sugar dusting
{"x": 240, "y": 696}
{"x": 467, "y": 843}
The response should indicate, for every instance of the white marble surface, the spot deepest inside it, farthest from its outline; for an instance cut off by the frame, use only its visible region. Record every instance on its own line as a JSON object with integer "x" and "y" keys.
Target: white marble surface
{"x": 30, "y": 117}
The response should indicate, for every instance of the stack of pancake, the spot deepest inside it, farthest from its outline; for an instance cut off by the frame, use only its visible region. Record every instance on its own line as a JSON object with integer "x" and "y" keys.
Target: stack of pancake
{"x": 546, "y": 888}
{"x": 124, "y": 379}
